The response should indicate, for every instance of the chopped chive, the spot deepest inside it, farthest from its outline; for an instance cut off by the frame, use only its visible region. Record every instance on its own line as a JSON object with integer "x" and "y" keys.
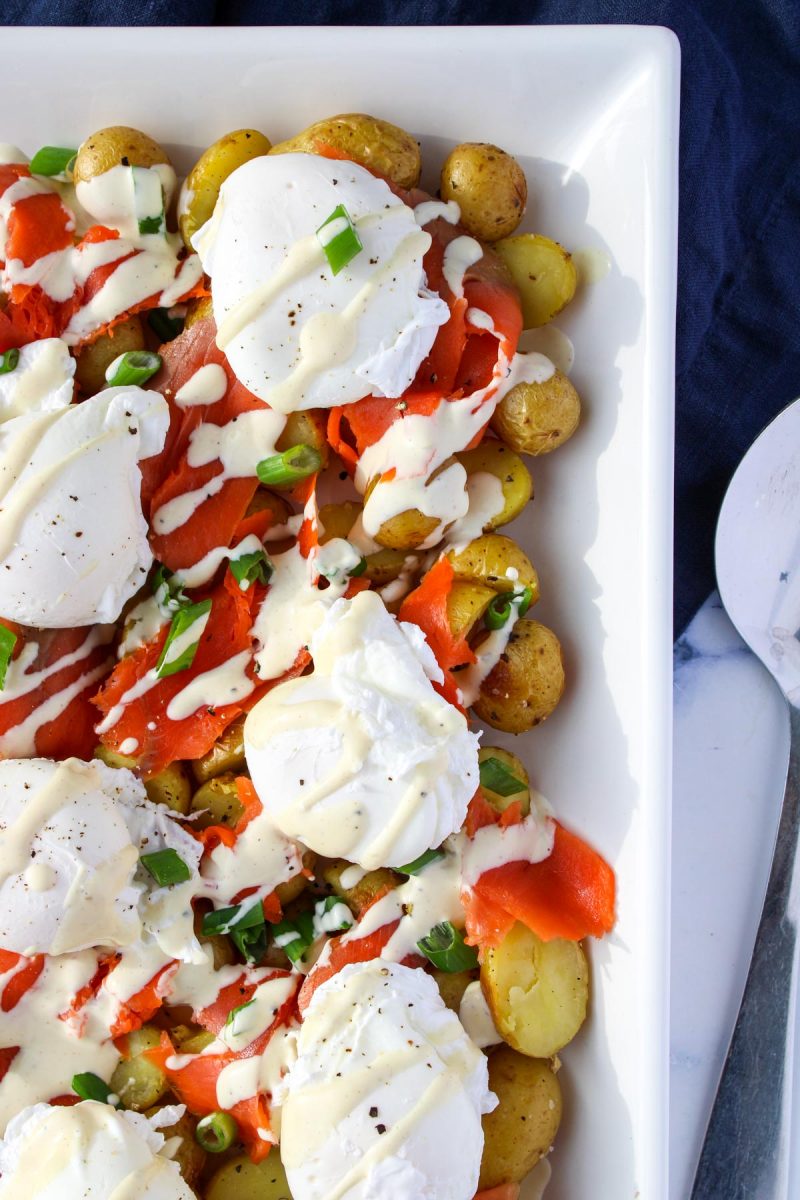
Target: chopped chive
{"x": 163, "y": 325}
{"x": 252, "y": 568}
{"x": 135, "y": 367}
{"x": 424, "y": 860}
{"x": 339, "y": 239}
{"x": 148, "y": 198}
{"x": 502, "y": 606}
{"x": 89, "y": 1086}
{"x": 246, "y": 927}
{"x": 290, "y": 467}
{"x": 497, "y": 778}
{"x": 52, "y": 160}
{"x": 296, "y": 936}
{"x": 216, "y": 1132}
{"x": 8, "y": 641}
{"x": 179, "y": 648}
{"x": 9, "y": 360}
{"x": 166, "y": 866}
{"x": 444, "y": 946}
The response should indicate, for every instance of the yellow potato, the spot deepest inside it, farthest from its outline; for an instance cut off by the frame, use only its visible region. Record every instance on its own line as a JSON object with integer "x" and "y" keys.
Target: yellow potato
{"x": 493, "y": 458}
{"x": 466, "y": 604}
{"x": 489, "y": 187}
{"x": 526, "y": 684}
{"x": 538, "y": 991}
{"x": 190, "y": 1156}
{"x": 264, "y": 500}
{"x": 523, "y": 1127}
{"x": 294, "y": 887}
{"x": 199, "y": 192}
{"x": 383, "y": 566}
{"x": 137, "y": 1081}
{"x": 92, "y": 360}
{"x": 515, "y": 768}
{"x": 384, "y": 148}
{"x": 535, "y": 418}
{"x": 305, "y": 428}
{"x": 171, "y": 787}
{"x": 489, "y": 559}
{"x": 197, "y": 310}
{"x": 544, "y": 274}
{"x": 407, "y": 531}
{"x": 225, "y": 756}
{"x": 452, "y": 985}
{"x": 357, "y": 896}
{"x": 114, "y": 146}
{"x": 336, "y": 520}
{"x": 218, "y": 801}
{"x": 241, "y": 1179}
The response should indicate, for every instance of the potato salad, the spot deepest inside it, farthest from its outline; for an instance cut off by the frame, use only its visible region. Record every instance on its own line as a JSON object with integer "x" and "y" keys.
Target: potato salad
{"x": 277, "y": 919}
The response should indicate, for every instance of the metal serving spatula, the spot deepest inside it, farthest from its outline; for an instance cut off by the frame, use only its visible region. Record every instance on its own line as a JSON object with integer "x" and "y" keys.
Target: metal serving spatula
{"x": 746, "y": 1150}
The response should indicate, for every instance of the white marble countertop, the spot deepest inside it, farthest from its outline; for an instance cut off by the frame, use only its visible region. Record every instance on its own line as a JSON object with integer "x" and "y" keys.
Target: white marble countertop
{"x": 731, "y": 754}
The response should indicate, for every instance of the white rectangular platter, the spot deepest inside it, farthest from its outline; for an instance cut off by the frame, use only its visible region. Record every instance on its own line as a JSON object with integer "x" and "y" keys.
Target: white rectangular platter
{"x": 592, "y": 113}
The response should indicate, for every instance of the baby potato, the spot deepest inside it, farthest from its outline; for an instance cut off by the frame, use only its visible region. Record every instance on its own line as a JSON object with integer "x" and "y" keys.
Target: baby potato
{"x": 360, "y": 895}
{"x": 535, "y": 418}
{"x": 466, "y": 604}
{"x": 452, "y": 985}
{"x": 197, "y": 310}
{"x": 407, "y": 531}
{"x": 242, "y": 1179}
{"x": 190, "y": 1155}
{"x": 92, "y": 361}
{"x": 264, "y": 500}
{"x": 171, "y": 787}
{"x": 383, "y": 566}
{"x": 544, "y": 275}
{"x": 219, "y": 797}
{"x": 383, "y": 148}
{"x": 489, "y": 559}
{"x": 516, "y": 768}
{"x": 522, "y": 1128}
{"x": 226, "y": 755}
{"x": 201, "y": 187}
{"x": 538, "y": 991}
{"x": 114, "y": 146}
{"x": 336, "y": 520}
{"x": 306, "y": 428}
{"x": 138, "y": 1081}
{"x": 489, "y": 187}
{"x": 493, "y": 458}
{"x": 526, "y": 684}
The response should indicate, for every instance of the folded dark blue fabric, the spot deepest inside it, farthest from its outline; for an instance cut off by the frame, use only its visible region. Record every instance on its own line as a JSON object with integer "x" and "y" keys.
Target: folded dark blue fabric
{"x": 738, "y": 347}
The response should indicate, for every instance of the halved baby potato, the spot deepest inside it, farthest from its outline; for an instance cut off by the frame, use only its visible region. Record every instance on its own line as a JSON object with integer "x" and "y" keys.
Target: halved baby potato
{"x": 495, "y": 459}
{"x": 538, "y": 991}
{"x": 497, "y": 562}
{"x": 544, "y": 274}
{"x": 201, "y": 189}
{"x": 522, "y": 1128}
{"x": 242, "y": 1179}
{"x": 136, "y": 1079}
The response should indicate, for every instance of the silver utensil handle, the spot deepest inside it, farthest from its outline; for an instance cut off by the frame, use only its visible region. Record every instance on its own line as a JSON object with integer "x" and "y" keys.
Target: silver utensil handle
{"x": 744, "y": 1153}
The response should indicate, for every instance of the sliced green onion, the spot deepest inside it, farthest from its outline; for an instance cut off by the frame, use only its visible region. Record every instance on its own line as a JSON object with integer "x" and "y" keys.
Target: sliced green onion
{"x": 216, "y": 1132}
{"x": 501, "y": 608}
{"x": 148, "y": 198}
{"x": 179, "y": 649}
{"x": 51, "y": 160}
{"x": 89, "y": 1086}
{"x": 167, "y": 590}
{"x": 166, "y": 866}
{"x": 332, "y": 915}
{"x": 358, "y": 569}
{"x": 295, "y": 937}
{"x": 8, "y": 641}
{"x": 252, "y": 941}
{"x": 163, "y": 325}
{"x": 339, "y": 239}
{"x": 424, "y": 860}
{"x": 233, "y": 1014}
{"x": 135, "y": 367}
{"x": 290, "y": 467}
{"x": 246, "y": 927}
{"x": 497, "y": 778}
{"x": 252, "y": 568}
{"x": 445, "y": 948}
{"x": 9, "y": 360}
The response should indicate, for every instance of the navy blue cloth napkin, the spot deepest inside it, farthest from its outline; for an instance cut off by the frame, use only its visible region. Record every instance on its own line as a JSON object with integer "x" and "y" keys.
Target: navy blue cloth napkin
{"x": 738, "y": 350}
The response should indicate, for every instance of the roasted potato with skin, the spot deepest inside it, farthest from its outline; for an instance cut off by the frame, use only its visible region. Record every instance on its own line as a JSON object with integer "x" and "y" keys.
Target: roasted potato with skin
{"x": 114, "y": 146}
{"x": 489, "y": 187}
{"x": 264, "y": 500}
{"x": 452, "y": 985}
{"x": 383, "y": 566}
{"x": 493, "y": 458}
{"x": 336, "y": 520}
{"x": 522, "y": 1128}
{"x": 537, "y": 991}
{"x": 544, "y": 274}
{"x": 225, "y": 756}
{"x": 197, "y": 310}
{"x": 218, "y": 802}
{"x": 201, "y": 188}
{"x": 137, "y": 1080}
{"x": 535, "y": 418}
{"x": 92, "y": 361}
{"x": 305, "y": 428}
{"x": 358, "y": 896}
{"x": 383, "y": 148}
{"x": 526, "y": 684}
{"x": 407, "y": 531}
{"x": 242, "y": 1179}
{"x": 515, "y": 768}
{"x": 466, "y": 604}
{"x": 170, "y": 786}
{"x": 190, "y": 1155}
{"x": 489, "y": 558}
